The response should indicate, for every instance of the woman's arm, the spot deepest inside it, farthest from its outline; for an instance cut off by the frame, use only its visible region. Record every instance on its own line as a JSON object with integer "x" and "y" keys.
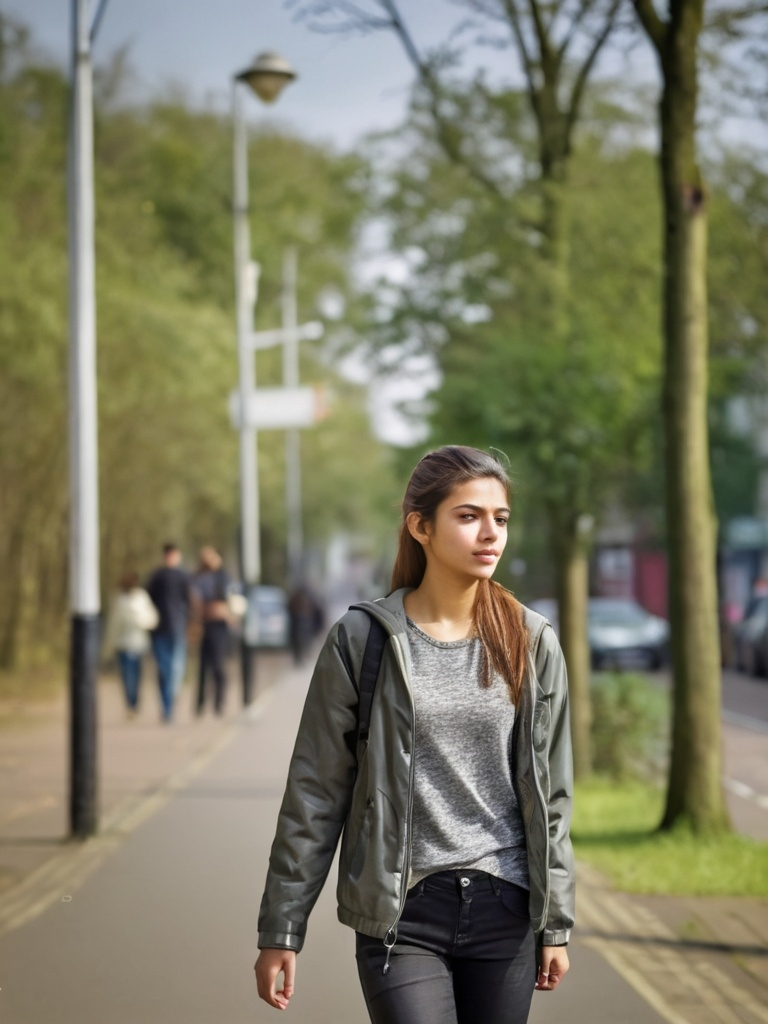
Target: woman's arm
{"x": 270, "y": 964}
{"x": 553, "y": 680}
{"x": 553, "y": 967}
{"x": 315, "y": 803}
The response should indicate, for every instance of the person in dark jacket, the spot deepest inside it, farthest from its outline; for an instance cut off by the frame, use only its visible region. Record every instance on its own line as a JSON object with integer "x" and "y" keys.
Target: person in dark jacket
{"x": 453, "y": 810}
{"x": 169, "y": 588}
{"x": 212, "y": 587}
{"x": 306, "y": 620}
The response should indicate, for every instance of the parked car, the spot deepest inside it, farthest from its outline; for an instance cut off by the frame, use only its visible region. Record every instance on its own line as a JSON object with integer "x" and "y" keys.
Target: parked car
{"x": 267, "y": 622}
{"x": 749, "y": 638}
{"x": 621, "y": 632}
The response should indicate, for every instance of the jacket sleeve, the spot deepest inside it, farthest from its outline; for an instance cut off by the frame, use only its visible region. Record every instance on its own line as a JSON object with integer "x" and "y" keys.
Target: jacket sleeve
{"x": 316, "y": 800}
{"x": 552, "y": 675}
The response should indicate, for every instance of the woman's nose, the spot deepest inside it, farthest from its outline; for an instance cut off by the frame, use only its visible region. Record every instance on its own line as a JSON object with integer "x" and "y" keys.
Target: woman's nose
{"x": 490, "y": 527}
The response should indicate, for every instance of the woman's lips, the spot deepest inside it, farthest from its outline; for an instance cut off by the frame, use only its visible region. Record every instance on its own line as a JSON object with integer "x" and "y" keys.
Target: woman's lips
{"x": 486, "y": 556}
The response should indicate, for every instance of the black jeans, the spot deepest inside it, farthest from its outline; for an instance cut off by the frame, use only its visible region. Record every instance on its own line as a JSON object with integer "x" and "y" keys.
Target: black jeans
{"x": 465, "y": 954}
{"x": 213, "y": 655}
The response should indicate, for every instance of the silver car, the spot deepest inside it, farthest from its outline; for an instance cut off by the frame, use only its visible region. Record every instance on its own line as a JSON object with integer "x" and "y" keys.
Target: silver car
{"x": 622, "y": 634}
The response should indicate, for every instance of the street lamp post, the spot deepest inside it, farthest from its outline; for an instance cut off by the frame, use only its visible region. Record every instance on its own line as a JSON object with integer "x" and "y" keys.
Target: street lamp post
{"x": 85, "y": 599}
{"x": 266, "y": 77}
{"x": 292, "y": 436}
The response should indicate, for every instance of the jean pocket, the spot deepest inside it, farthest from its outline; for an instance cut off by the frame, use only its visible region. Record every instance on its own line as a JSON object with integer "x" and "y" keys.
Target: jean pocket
{"x": 515, "y": 899}
{"x": 415, "y": 891}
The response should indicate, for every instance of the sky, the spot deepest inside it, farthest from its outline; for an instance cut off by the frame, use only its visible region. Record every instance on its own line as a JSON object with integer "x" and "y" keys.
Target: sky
{"x": 346, "y": 87}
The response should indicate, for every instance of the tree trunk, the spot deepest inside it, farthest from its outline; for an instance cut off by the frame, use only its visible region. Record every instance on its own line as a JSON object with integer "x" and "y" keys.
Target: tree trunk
{"x": 13, "y": 577}
{"x": 694, "y": 794}
{"x": 572, "y": 590}
{"x": 571, "y": 541}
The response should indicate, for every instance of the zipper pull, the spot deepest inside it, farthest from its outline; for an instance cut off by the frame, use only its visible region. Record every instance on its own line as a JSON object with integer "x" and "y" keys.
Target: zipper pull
{"x": 388, "y": 946}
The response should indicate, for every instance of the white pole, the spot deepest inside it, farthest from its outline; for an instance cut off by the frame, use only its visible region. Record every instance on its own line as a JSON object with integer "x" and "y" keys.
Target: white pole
{"x": 85, "y": 600}
{"x": 292, "y": 436}
{"x": 245, "y": 289}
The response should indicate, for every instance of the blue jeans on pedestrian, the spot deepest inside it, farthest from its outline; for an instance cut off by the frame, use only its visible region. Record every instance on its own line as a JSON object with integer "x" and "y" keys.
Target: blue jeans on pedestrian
{"x": 130, "y": 673}
{"x": 465, "y": 954}
{"x": 164, "y": 648}
{"x": 178, "y": 663}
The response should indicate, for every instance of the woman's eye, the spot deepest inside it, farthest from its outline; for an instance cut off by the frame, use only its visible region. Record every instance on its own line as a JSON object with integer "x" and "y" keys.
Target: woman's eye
{"x": 501, "y": 520}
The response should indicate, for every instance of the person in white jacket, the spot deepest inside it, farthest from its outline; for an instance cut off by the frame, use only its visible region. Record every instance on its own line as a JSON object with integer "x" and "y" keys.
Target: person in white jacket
{"x": 131, "y": 616}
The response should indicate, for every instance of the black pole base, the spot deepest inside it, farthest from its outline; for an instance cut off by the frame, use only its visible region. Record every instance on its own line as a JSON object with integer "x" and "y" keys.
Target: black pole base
{"x": 248, "y": 671}
{"x": 83, "y": 665}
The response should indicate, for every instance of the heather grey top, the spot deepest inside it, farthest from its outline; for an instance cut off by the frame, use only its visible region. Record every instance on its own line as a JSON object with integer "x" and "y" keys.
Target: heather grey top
{"x": 465, "y": 813}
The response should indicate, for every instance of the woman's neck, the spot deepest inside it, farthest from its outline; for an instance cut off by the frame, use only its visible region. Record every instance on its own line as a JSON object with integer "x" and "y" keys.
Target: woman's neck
{"x": 442, "y": 611}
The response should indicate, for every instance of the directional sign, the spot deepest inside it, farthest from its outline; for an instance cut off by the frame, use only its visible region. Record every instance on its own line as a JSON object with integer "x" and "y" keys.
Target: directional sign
{"x": 310, "y": 331}
{"x": 279, "y": 408}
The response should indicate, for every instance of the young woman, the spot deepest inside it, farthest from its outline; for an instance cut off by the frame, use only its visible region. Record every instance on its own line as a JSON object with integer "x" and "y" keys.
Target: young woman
{"x": 455, "y": 868}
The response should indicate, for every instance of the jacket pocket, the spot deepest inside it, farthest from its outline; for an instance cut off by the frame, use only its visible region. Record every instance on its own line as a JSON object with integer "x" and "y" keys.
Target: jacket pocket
{"x": 361, "y": 842}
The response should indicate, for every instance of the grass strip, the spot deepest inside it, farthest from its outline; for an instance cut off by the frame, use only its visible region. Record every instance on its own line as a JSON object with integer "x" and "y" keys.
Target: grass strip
{"x": 614, "y": 830}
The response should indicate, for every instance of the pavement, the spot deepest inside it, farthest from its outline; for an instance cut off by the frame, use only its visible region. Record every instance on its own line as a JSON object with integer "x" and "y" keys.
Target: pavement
{"x": 153, "y": 919}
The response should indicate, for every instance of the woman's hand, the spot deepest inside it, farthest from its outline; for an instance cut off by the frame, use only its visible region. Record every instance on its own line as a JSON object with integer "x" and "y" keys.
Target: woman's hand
{"x": 270, "y": 964}
{"x": 554, "y": 966}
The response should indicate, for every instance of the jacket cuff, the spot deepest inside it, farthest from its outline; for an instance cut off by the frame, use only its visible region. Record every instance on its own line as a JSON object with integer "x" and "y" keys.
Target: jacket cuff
{"x": 555, "y": 938}
{"x": 280, "y": 940}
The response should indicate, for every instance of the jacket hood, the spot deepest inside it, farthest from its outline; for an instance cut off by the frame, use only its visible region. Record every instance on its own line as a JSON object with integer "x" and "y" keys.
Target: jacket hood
{"x": 391, "y": 613}
{"x": 388, "y": 610}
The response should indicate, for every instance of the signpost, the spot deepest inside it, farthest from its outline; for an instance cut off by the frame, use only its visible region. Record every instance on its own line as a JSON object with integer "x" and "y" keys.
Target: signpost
{"x": 279, "y": 408}
{"x": 311, "y": 331}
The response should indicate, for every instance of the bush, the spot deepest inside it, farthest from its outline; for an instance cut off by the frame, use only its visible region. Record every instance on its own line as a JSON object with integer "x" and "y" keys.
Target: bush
{"x": 630, "y": 726}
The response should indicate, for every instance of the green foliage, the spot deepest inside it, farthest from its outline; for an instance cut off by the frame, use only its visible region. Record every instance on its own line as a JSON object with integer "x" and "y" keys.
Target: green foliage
{"x": 630, "y": 727}
{"x": 614, "y": 830}
{"x": 737, "y": 269}
{"x": 572, "y": 400}
{"x": 168, "y": 462}
{"x": 575, "y": 404}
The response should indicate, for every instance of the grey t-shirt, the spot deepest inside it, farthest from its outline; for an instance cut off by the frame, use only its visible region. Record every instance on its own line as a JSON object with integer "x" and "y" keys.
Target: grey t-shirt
{"x": 465, "y": 813}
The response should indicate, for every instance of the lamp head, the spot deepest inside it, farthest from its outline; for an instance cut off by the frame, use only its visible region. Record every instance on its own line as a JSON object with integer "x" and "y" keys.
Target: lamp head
{"x": 267, "y": 76}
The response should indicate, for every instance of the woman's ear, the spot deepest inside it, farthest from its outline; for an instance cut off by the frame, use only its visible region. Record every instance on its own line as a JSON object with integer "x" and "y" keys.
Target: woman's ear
{"x": 418, "y": 527}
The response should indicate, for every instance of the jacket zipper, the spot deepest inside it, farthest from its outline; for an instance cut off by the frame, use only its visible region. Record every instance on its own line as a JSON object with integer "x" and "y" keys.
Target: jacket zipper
{"x": 536, "y": 784}
{"x": 391, "y": 937}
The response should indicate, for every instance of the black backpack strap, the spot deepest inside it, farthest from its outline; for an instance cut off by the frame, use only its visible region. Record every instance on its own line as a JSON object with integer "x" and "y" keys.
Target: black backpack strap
{"x": 369, "y": 673}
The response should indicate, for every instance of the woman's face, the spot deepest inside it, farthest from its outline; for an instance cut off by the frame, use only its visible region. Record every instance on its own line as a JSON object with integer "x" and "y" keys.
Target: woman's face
{"x": 469, "y": 532}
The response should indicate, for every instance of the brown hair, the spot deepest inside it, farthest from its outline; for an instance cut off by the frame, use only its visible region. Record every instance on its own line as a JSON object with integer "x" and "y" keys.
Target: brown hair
{"x": 210, "y": 559}
{"x": 129, "y": 580}
{"x": 497, "y": 615}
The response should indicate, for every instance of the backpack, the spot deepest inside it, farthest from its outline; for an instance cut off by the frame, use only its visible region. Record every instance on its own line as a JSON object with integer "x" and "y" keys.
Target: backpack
{"x": 369, "y": 673}
{"x": 366, "y": 684}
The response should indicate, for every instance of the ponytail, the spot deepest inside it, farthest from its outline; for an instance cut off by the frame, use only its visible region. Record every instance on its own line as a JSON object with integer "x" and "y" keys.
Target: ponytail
{"x": 499, "y": 623}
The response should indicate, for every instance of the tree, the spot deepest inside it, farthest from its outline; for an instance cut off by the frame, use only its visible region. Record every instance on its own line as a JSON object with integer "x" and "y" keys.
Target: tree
{"x": 557, "y": 47}
{"x": 694, "y": 793}
{"x": 575, "y": 420}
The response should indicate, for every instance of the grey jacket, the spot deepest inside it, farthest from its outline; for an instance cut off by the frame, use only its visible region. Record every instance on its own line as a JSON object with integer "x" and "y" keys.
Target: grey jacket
{"x": 365, "y": 797}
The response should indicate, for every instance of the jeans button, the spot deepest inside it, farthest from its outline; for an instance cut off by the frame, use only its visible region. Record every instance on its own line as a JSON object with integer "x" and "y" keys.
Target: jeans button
{"x": 464, "y": 881}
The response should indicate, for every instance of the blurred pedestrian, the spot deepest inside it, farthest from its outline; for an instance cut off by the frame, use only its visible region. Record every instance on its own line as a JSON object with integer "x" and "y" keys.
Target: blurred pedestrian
{"x": 306, "y": 620}
{"x": 453, "y": 794}
{"x": 170, "y": 590}
{"x": 131, "y": 615}
{"x": 213, "y": 591}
